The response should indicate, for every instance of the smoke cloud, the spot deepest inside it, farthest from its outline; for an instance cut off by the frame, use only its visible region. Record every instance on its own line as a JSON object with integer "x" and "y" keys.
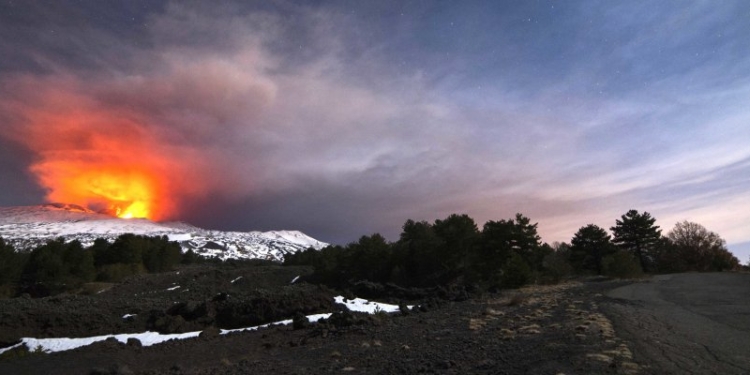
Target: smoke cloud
{"x": 150, "y": 139}
{"x": 343, "y": 119}
{"x": 153, "y": 139}
{"x": 222, "y": 107}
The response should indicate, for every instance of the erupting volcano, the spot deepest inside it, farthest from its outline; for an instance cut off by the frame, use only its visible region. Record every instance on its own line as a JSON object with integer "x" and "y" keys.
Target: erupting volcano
{"x": 139, "y": 145}
{"x": 125, "y": 191}
{"x": 117, "y": 192}
{"x": 105, "y": 157}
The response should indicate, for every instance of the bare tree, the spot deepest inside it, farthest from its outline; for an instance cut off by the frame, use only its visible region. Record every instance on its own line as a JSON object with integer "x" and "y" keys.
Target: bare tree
{"x": 699, "y": 249}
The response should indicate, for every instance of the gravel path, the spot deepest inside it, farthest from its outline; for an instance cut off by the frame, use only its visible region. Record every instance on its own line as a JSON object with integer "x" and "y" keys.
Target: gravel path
{"x": 693, "y": 323}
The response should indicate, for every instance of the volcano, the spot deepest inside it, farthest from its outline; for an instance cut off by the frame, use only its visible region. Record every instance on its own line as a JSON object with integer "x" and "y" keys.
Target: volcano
{"x": 26, "y": 227}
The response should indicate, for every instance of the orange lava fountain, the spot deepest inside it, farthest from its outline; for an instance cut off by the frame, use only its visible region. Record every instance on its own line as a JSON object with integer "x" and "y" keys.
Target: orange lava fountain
{"x": 105, "y": 160}
{"x": 124, "y": 191}
{"x": 96, "y": 146}
{"x": 126, "y": 195}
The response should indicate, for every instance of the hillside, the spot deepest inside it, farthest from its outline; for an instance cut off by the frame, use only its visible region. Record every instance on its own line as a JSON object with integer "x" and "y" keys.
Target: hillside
{"x": 535, "y": 330}
{"x": 28, "y": 226}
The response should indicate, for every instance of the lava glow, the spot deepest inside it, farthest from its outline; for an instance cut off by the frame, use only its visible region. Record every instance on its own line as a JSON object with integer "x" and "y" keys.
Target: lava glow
{"x": 122, "y": 191}
{"x": 114, "y": 146}
{"x": 127, "y": 197}
{"x": 107, "y": 160}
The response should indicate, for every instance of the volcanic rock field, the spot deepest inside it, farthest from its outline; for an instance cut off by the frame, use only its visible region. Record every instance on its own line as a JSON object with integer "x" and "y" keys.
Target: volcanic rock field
{"x": 536, "y": 330}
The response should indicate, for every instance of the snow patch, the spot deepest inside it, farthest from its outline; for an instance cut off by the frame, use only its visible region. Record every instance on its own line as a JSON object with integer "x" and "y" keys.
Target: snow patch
{"x": 53, "y": 345}
{"x": 179, "y": 237}
{"x": 363, "y": 305}
{"x": 148, "y": 338}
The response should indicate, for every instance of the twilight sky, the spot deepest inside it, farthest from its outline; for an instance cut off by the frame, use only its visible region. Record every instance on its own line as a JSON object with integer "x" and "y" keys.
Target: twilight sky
{"x": 345, "y": 118}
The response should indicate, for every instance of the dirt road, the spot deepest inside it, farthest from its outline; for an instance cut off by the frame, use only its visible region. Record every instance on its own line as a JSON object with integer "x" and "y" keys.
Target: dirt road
{"x": 686, "y": 323}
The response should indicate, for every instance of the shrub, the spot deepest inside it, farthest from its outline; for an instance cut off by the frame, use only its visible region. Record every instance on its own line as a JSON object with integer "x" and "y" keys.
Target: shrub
{"x": 516, "y": 272}
{"x": 555, "y": 268}
{"x": 622, "y": 264}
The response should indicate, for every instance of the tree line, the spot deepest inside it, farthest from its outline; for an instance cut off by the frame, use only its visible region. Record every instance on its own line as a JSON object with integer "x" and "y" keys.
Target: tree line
{"x": 452, "y": 251}
{"x": 509, "y": 253}
{"x": 59, "y": 266}
{"x": 503, "y": 253}
{"x": 687, "y": 247}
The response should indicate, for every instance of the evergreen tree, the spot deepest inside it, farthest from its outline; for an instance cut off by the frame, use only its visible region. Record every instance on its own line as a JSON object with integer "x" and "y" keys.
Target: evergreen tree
{"x": 589, "y": 246}
{"x": 79, "y": 263}
{"x": 516, "y": 272}
{"x": 416, "y": 251}
{"x": 637, "y": 233}
{"x": 191, "y": 257}
{"x": 527, "y": 242}
{"x": 11, "y": 265}
{"x": 128, "y": 248}
{"x": 300, "y": 258}
{"x": 501, "y": 240}
{"x": 327, "y": 266}
{"x": 159, "y": 254}
{"x": 368, "y": 259}
{"x": 459, "y": 234}
{"x": 46, "y": 267}
{"x": 102, "y": 253}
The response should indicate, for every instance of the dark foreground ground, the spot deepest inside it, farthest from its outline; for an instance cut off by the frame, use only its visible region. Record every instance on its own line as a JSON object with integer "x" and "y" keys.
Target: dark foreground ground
{"x": 686, "y": 323}
{"x": 558, "y": 329}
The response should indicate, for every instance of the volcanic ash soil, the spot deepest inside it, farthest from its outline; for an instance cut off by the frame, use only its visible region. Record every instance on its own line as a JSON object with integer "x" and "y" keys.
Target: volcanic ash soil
{"x": 556, "y": 329}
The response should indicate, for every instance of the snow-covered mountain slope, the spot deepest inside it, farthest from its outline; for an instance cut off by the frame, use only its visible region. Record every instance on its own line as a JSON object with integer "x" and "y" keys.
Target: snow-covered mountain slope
{"x": 29, "y": 226}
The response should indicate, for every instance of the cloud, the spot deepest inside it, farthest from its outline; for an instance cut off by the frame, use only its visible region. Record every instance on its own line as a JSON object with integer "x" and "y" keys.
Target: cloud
{"x": 249, "y": 116}
{"x": 159, "y": 136}
{"x": 191, "y": 118}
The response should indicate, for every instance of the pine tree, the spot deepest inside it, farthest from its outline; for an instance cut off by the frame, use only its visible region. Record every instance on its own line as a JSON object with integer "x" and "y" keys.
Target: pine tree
{"x": 501, "y": 240}
{"x": 589, "y": 246}
{"x": 638, "y": 234}
{"x": 459, "y": 234}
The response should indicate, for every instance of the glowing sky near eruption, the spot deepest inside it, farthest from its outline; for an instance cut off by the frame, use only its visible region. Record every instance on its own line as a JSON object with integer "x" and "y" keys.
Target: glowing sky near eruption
{"x": 344, "y": 118}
